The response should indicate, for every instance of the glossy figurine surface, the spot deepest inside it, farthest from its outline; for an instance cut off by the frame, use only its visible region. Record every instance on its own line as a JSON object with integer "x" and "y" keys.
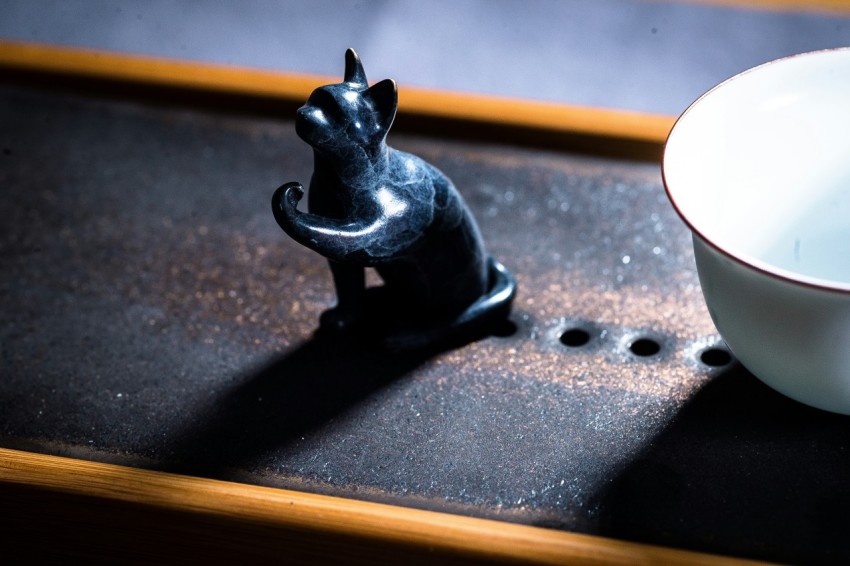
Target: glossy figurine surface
{"x": 373, "y": 206}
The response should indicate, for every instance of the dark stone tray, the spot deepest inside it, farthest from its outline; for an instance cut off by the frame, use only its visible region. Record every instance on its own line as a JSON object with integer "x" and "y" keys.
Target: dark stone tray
{"x": 153, "y": 314}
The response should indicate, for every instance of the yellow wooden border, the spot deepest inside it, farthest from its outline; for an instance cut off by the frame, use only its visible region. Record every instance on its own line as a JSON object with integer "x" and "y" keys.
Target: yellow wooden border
{"x": 839, "y": 7}
{"x": 89, "y": 509}
{"x": 640, "y": 133}
{"x": 272, "y": 521}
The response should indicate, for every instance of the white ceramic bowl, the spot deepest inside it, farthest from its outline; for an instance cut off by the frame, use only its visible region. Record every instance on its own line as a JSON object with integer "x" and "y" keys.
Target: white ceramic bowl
{"x": 759, "y": 168}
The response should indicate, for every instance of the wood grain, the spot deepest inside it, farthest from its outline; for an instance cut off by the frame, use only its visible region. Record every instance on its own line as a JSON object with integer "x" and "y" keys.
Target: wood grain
{"x": 85, "y": 508}
{"x": 840, "y": 7}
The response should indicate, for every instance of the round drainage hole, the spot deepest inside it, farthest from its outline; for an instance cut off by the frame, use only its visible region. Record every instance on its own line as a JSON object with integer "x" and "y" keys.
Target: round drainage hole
{"x": 504, "y": 329}
{"x": 575, "y": 337}
{"x": 645, "y": 347}
{"x": 715, "y": 357}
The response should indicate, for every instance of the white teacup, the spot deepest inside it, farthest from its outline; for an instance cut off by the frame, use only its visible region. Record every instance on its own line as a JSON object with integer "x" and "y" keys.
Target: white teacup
{"x": 759, "y": 168}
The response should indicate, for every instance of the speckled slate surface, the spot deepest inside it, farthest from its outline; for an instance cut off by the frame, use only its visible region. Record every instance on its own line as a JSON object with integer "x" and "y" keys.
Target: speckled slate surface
{"x": 153, "y": 314}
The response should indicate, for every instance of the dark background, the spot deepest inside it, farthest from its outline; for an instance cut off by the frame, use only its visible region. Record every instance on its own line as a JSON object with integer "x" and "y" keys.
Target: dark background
{"x": 639, "y": 55}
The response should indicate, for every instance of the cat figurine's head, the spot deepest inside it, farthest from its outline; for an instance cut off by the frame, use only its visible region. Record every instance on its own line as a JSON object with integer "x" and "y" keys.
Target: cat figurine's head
{"x": 337, "y": 119}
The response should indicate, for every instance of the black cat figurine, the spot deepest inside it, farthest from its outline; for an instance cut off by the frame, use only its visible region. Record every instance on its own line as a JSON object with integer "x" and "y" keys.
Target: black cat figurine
{"x": 373, "y": 206}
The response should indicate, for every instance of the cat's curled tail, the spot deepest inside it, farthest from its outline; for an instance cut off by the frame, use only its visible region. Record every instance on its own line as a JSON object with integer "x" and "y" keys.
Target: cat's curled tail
{"x": 485, "y": 317}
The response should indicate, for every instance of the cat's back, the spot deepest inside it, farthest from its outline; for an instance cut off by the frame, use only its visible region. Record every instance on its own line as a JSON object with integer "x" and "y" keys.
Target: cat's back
{"x": 427, "y": 186}
{"x": 422, "y": 179}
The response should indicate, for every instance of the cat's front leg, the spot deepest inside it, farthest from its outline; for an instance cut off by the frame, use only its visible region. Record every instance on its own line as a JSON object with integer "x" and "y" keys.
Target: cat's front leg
{"x": 350, "y": 284}
{"x": 349, "y": 278}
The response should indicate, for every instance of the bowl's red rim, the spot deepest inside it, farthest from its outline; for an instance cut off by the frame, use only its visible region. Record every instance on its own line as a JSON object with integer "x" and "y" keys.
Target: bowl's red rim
{"x": 760, "y": 266}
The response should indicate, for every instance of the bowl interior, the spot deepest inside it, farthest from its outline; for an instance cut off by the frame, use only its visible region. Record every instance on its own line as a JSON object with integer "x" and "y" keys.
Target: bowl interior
{"x": 760, "y": 168}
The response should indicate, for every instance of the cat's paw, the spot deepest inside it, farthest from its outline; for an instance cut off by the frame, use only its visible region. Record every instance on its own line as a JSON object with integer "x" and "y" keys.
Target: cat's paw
{"x": 293, "y": 193}
{"x": 337, "y": 321}
{"x": 285, "y": 205}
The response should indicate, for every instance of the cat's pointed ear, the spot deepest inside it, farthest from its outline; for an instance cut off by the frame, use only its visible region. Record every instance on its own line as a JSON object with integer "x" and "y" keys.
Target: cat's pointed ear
{"x": 354, "y": 72}
{"x": 384, "y": 97}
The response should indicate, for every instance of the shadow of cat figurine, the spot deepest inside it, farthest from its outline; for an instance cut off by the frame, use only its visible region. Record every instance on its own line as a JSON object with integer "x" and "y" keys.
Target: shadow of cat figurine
{"x": 373, "y": 206}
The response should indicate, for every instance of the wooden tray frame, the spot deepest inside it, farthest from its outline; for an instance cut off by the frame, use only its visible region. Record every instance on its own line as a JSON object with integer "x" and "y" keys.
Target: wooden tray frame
{"x": 67, "y": 507}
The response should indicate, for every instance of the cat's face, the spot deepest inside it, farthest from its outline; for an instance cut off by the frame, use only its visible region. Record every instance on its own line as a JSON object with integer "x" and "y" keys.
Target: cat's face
{"x": 339, "y": 119}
